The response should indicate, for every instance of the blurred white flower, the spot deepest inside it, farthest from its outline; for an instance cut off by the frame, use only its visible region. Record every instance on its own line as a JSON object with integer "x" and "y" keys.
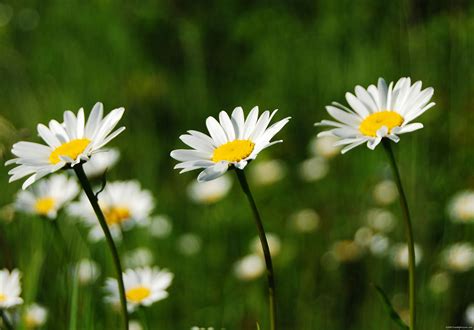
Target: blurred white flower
{"x": 209, "y": 192}
{"x": 134, "y": 325}
{"x": 138, "y": 257}
{"x": 267, "y": 172}
{"x": 143, "y": 287}
{"x": 35, "y": 316}
{"x": 305, "y": 220}
{"x": 274, "y": 244}
{"x": 381, "y": 220}
{"x": 363, "y": 236}
{"x": 439, "y": 282}
{"x": 87, "y": 271}
{"x": 314, "y": 169}
{"x": 379, "y": 245}
{"x": 123, "y": 203}
{"x": 324, "y": 146}
{"x": 47, "y": 197}
{"x": 249, "y": 267}
{"x": 201, "y": 328}
{"x": 399, "y": 255}
{"x": 459, "y": 257}
{"x": 470, "y": 314}
{"x": 101, "y": 162}
{"x": 461, "y": 207}
{"x": 189, "y": 244}
{"x": 160, "y": 226}
{"x": 10, "y": 288}
{"x": 385, "y": 192}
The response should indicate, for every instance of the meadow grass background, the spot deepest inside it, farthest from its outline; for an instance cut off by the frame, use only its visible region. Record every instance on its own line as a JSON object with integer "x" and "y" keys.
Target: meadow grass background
{"x": 173, "y": 63}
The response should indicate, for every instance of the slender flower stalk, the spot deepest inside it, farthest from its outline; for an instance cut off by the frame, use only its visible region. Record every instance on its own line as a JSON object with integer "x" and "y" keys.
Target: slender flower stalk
{"x": 266, "y": 250}
{"x": 79, "y": 170}
{"x": 409, "y": 231}
{"x": 6, "y": 321}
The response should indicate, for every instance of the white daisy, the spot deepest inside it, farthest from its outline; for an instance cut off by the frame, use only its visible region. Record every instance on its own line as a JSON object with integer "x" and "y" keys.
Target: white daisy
{"x": 377, "y": 112}
{"x": 35, "y": 316}
{"x": 461, "y": 207}
{"x": 123, "y": 203}
{"x": 68, "y": 143}
{"x": 143, "y": 287}
{"x": 233, "y": 141}
{"x": 10, "y": 288}
{"x": 459, "y": 257}
{"x": 47, "y": 197}
{"x": 101, "y": 162}
{"x": 209, "y": 192}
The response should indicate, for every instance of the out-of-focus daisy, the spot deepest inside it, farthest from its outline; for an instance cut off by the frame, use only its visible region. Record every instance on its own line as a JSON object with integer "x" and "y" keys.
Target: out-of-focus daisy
{"x": 439, "y": 282}
{"x": 267, "y": 172}
{"x": 274, "y": 244}
{"x": 314, "y": 169}
{"x": 461, "y": 207}
{"x": 87, "y": 271}
{"x": 189, "y": 244}
{"x": 139, "y": 257}
{"x": 233, "y": 142}
{"x": 380, "y": 220}
{"x": 35, "y": 316}
{"x": 363, "y": 236}
{"x": 209, "y": 192}
{"x": 249, "y": 267}
{"x": 377, "y": 112}
{"x": 459, "y": 257}
{"x": 123, "y": 203}
{"x": 135, "y": 325}
{"x": 399, "y": 255}
{"x": 324, "y": 146}
{"x": 470, "y": 314}
{"x": 10, "y": 288}
{"x": 68, "y": 143}
{"x": 48, "y": 196}
{"x": 385, "y": 192}
{"x": 101, "y": 162}
{"x": 305, "y": 220}
{"x": 379, "y": 245}
{"x": 7, "y": 213}
{"x": 143, "y": 287}
{"x": 160, "y": 226}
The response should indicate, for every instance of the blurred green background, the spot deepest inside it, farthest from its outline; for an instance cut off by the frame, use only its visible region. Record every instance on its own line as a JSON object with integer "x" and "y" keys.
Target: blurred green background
{"x": 173, "y": 63}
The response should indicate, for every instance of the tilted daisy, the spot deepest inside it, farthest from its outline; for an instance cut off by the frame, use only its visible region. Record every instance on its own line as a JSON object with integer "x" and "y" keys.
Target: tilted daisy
{"x": 377, "y": 112}
{"x": 232, "y": 141}
{"x": 124, "y": 204}
{"x": 67, "y": 143}
{"x": 47, "y": 197}
{"x": 143, "y": 287}
{"x": 10, "y": 288}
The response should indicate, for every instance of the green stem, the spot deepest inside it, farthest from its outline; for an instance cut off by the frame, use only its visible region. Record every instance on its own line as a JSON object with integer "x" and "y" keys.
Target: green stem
{"x": 81, "y": 175}
{"x": 141, "y": 311}
{"x": 266, "y": 250}
{"x": 6, "y": 321}
{"x": 409, "y": 231}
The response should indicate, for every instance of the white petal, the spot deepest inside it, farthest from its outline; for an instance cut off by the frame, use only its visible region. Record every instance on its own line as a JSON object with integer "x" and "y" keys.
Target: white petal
{"x": 216, "y": 131}
{"x": 213, "y": 172}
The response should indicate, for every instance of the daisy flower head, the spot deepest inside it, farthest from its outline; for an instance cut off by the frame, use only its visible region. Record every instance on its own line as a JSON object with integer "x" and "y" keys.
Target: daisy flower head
{"x": 35, "y": 316}
{"x": 124, "y": 204}
{"x": 377, "y": 112}
{"x": 232, "y": 142}
{"x": 10, "y": 288}
{"x": 68, "y": 143}
{"x": 47, "y": 197}
{"x": 143, "y": 287}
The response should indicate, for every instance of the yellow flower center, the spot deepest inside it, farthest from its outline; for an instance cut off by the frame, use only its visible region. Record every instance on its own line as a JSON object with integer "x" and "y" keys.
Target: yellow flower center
{"x": 116, "y": 215}
{"x": 233, "y": 151}
{"x": 71, "y": 149}
{"x": 375, "y": 121}
{"x": 2, "y": 297}
{"x": 44, "y": 205}
{"x": 137, "y": 294}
